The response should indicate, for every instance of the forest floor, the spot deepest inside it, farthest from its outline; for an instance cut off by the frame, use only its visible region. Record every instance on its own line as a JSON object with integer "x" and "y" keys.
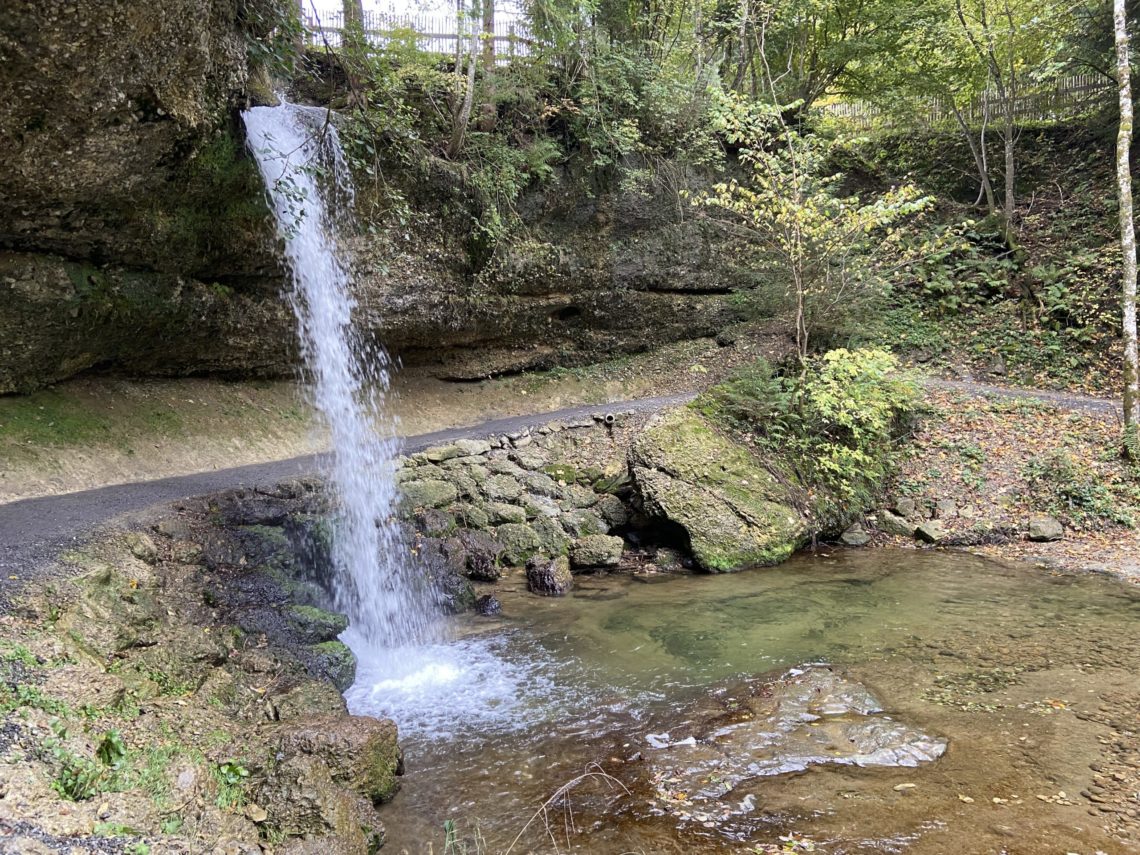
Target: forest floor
{"x": 984, "y": 460}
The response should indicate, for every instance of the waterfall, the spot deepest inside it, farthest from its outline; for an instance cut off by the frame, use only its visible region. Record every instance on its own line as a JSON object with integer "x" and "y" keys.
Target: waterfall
{"x": 299, "y": 154}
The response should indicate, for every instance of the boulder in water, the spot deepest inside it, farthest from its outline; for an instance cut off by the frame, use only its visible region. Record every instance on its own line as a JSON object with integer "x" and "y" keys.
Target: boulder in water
{"x": 597, "y": 550}
{"x": 855, "y": 535}
{"x": 549, "y": 577}
{"x": 488, "y": 605}
{"x": 360, "y": 752}
{"x": 809, "y": 717}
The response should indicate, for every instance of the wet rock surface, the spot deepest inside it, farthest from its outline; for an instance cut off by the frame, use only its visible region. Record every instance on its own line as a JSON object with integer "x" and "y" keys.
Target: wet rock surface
{"x": 810, "y": 717}
{"x": 194, "y": 664}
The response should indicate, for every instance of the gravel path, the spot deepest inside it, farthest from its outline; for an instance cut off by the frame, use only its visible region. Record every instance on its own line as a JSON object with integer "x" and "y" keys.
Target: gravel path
{"x": 1064, "y": 400}
{"x": 34, "y": 531}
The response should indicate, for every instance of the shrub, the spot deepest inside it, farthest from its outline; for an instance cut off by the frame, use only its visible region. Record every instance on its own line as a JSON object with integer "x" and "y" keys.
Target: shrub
{"x": 834, "y": 425}
{"x": 1069, "y": 489}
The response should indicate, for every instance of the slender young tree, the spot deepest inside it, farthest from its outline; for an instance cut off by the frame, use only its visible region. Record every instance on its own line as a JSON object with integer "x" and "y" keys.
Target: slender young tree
{"x": 461, "y": 106}
{"x": 1127, "y": 227}
{"x": 353, "y": 12}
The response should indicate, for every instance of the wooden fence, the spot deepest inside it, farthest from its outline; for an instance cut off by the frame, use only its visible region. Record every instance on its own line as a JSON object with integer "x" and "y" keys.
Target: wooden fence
{"x": 433, "y": 33}
{"x": 1064, "y": 98}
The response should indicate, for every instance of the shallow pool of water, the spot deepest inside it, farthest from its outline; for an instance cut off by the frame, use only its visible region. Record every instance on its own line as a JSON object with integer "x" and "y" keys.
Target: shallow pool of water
{"x": 624, "y": 690}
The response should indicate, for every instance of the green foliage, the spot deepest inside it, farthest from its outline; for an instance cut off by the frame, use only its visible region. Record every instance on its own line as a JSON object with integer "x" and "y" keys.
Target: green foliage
{"x": 13, "y": 652}
{"x": 835, "y": 424}
{"x": 111, "y": 751}
{"x": 272, "y": 30}
{"x": 26, "y": 696}
{"x": 230, "y": 778}
{"x": 78, "y": 778}
{"x": 1071, "y": 489}
{"x": 958, "y": 265}
{"x": 833, "y": 250}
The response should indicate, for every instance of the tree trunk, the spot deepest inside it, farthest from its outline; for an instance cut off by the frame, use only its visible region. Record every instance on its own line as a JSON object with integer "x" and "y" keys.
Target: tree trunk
{"x": 353, "y": 12}
{"x": 1127, "y": 228}
{"x": 488, "y": 35}
{"x": 979, "y": 157}
{"x": 352, "y": 39}
{"x": 461, "y": 115}
{"x": 487, "y": 110}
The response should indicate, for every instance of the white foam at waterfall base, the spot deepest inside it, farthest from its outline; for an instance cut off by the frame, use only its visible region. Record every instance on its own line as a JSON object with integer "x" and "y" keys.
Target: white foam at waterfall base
{"x": 477, "y": 686}
{"x": 299, "y": 155}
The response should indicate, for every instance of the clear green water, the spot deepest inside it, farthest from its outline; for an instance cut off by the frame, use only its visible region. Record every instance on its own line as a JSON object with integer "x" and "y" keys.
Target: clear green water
{"x": 1003, "y": 662}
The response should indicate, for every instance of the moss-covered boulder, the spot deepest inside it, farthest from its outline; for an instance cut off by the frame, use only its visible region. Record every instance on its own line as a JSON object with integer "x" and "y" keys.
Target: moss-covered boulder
{"x": 518, "y": 541}
{"x": 736, "y": 513}
{"x": 315, "y": 625}
{"x": 596, "y": 550}
{"x": 361, "y": 753}
{"x": 428, "y": 493}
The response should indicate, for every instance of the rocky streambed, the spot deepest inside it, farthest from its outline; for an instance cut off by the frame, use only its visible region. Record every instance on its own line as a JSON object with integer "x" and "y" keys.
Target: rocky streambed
{"x": 180, "y": 688}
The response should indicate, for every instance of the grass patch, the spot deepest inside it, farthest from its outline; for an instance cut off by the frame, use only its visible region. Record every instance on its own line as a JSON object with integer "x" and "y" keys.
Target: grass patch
{"x": 52, "y": 418}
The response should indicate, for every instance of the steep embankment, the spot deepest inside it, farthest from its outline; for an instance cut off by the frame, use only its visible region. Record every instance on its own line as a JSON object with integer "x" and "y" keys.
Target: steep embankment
{"x": 134, "y": 235}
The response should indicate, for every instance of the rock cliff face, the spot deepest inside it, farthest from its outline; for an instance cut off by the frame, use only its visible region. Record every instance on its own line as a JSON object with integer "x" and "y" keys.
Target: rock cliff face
{"x": 134, "y": 234}
{"x": 104, "y": 104}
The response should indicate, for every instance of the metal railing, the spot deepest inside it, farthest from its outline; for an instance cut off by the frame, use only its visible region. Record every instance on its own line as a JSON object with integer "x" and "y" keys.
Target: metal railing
{"x": 1061, "y": 99}
{"x": 432, "y": 33}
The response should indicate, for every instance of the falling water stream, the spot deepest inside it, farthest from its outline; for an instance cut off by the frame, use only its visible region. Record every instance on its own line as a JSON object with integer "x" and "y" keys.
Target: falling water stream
{"x": 405, "y": 662}
{"x": 301, "y": 161}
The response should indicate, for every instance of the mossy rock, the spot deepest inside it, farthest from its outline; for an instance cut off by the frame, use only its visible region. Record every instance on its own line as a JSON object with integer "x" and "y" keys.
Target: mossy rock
{"x": 501, "y": 487}
{"x": 470, "y": 516}
{"x": 584, "y": 522}
{"x": 428, "y": 493}
{"x": 316, "y": 625}
{"x": 335, "y": 661}
{"x": 552, "y": 537}
{"x": 562, "y": 472}
{"x": 433, "y": 522}
{"x": 736, "y": 513}
{"x": 519, "y": 541}
{"x": 596, "y": 550}
{"x": 577, "y": 496}
{"x": 503, "y": 513}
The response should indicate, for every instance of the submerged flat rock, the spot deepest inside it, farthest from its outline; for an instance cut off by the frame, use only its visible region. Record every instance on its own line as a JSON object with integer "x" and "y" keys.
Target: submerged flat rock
{"x": 810, "y": 717}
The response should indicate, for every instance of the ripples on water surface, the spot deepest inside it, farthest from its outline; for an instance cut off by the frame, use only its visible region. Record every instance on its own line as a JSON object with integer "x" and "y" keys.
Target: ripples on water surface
{"x": 495, "y": 721}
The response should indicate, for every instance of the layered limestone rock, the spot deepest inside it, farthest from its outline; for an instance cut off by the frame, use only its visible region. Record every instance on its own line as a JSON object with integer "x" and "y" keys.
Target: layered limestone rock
{"x": 138, "y": 238}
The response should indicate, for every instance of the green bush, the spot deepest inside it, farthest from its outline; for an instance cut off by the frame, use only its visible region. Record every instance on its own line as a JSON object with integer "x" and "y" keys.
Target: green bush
{"x": 834, "y": 426}
{"x": 1071, "y": 490}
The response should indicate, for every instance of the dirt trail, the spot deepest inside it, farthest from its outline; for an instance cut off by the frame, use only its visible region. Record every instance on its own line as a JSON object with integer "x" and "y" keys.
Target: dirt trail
{"x": 1063, "y": 400}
